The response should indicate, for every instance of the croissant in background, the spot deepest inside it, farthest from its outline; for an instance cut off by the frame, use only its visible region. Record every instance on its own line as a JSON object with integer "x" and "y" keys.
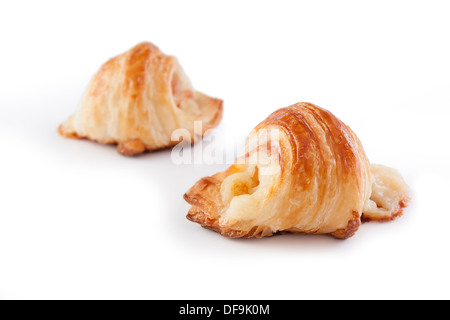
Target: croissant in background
{"x": 137, "y": 99}
{"x": 314, "y": 177}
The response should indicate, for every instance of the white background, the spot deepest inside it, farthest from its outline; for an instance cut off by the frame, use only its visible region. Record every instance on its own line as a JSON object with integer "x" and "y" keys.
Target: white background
{"x": 79, "y": 221}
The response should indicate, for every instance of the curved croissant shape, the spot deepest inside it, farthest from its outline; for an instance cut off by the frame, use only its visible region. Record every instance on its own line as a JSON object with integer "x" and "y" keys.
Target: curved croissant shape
{"x": 303, "y": 171}
{"x": 137, "y": 99}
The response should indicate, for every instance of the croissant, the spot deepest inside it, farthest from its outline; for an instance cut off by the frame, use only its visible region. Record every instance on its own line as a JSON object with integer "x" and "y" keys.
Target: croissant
{"x": 303, "y": 171}
{"x": 137, "y": 99}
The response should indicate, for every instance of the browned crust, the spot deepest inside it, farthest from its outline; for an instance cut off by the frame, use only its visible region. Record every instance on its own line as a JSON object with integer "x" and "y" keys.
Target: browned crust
{"x": 402, "y": 204}
{"x": 205, "y": 194}
{"x": 346, "y": 144}
{"x": 137, "y": 59}
{"x": 198, "y": 216}
{"x": 350, "y": 230}
{"x": 131, "y": 147}
{"x": 65, "y": 134}
{"x": 128, "y": 148}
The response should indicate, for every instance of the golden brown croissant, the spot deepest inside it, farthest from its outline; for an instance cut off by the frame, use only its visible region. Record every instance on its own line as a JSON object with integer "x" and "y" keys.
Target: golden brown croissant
{"x": 304, "y": 171}
{"x": 137, "y": 99}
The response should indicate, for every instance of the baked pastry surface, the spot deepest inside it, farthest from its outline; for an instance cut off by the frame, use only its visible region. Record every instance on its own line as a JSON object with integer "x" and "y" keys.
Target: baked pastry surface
{"x": 137, "y": 99}
{"x": 303, "y": 171}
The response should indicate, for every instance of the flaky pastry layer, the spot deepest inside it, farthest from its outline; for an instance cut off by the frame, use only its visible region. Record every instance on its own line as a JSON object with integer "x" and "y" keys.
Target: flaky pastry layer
{"x": 314, "y": 177}
{"x": 137, "y": 99}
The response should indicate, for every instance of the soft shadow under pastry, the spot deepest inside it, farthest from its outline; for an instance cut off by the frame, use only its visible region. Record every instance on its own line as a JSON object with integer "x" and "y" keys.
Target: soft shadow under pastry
{"x": 137, "y": 99}
{"x": 303, "y": 171}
